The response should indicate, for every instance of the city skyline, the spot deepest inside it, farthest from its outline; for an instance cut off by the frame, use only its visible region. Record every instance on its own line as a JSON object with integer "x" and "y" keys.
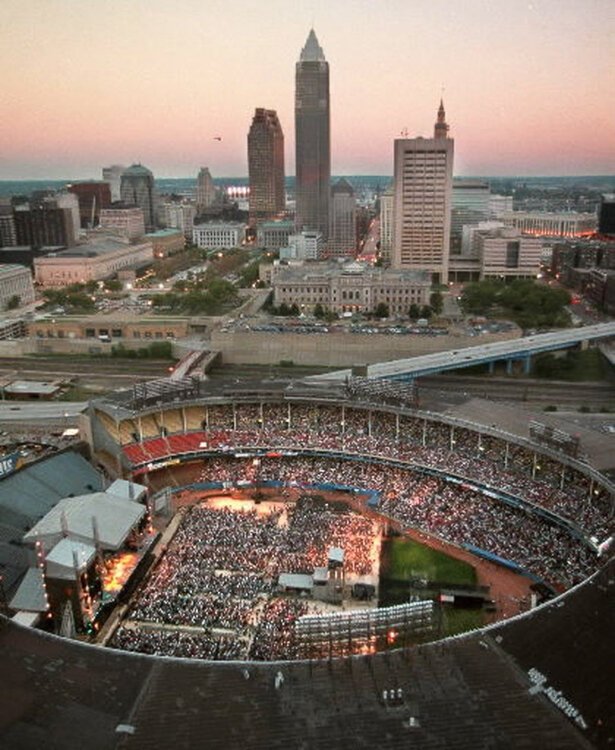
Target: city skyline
{"x": 525, "y": 87}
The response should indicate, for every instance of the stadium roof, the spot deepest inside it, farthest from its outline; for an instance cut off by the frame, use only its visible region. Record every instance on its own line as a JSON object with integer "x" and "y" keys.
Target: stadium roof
{"x": 114, "y": 519}
{"x": 30, "y": 596}
{"x": 126, "y": 490}
{"x": 61, "y": 561}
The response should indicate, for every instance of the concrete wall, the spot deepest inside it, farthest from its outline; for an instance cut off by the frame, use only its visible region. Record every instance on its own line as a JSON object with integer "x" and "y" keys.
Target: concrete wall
{"x": 64, "y": 346}
{"x": 336, "y": 349}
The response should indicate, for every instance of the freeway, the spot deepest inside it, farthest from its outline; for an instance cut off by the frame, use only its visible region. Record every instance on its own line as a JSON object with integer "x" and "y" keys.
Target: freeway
{"x": 26, "y": 411}
{"x": 512, "y": 350}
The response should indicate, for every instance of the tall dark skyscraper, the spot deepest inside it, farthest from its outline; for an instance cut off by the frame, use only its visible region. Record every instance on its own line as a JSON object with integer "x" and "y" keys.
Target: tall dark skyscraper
{"x": 137, "y": 188}
{"x": 266, "y": 166}
{"x": 312, "y": 138}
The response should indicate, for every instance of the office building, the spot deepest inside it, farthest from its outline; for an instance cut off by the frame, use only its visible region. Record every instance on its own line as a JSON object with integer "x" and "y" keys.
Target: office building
{"x": 469, "y": 206}
{"x": 422, "y": 207}
{"x": 343, "y": 229}
{"x": 8, "y": 237}
{"x": 166, "y": 242}
{"x": 499, "y": 204}
{"x": 606, "y": 214}
{"x": 15, "y": 284}
{"x": 350, "y": 288}
{"x": 128, "y": 220}
{"x": 266, "y": 166}
{"x": 219, "y": 235}
{"x": 93, "y": 195}
{"x": 312, "y": 139}
{"x": 137, "y": 188}
{"x": 505, "y": 253}
{"x": 178, "y": 216}
{"x": 43, "y": 223}
{"x": 205, "y": 190}
{"x": 386, "y": 224}
{"x": 113, "y": 175}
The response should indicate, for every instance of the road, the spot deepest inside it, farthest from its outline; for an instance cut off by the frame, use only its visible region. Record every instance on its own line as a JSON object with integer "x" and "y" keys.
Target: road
{"x": 369, "y": 249}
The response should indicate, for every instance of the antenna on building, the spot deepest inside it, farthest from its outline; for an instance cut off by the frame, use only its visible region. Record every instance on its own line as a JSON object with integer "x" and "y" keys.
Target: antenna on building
{"x": 404, "y": 132}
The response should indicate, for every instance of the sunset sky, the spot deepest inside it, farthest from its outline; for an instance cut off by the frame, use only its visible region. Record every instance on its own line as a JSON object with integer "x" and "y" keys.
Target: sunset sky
{"x": 528, "y": 84}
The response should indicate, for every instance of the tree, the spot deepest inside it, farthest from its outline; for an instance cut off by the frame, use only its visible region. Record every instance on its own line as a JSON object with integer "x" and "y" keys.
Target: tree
{"x": 113, "y": 285}
{"x": 319, "y": 311}
{"x": 294, "y": 310}
{"x": 414, "y": 312}
{"x": 436, "y": 302}
{"x": 14, "y": 302}
{"x": 381, "y": 310}
{"x": 426, "y": 312}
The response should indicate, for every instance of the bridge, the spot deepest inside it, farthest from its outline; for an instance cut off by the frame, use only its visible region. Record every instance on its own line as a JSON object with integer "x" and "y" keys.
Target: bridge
{"x": 512, "y": 351}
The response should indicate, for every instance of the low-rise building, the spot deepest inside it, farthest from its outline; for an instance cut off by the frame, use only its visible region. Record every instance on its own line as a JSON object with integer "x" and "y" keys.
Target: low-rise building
{"x": 219, "y": 235}
{"x": 96, "y": 260}
{"x": 178, "y": 216}
{"x": 351, "y": 287}
{"x": 15, "y": 284}
{"x": 272, "y": 235}
{"x": 110, "y": 328}
{"x": 166, "y": 242}
{"x": 306, "y": 245}
{"x": 548, "y": 224}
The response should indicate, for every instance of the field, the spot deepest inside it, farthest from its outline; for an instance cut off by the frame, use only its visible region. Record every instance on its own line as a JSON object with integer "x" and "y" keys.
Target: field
{"x": 404, "y": 560}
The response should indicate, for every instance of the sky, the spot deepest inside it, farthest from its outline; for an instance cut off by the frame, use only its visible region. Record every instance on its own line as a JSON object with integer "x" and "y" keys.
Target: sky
{"x": 528, "y": 86}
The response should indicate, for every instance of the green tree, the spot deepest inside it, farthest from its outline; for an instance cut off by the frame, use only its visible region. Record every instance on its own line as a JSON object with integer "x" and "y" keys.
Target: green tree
{"x": 114, "y": 285}
{"x": 319, "y": 311}
{"x": 14, "y": 302}
{"x": 436, "y": 302}
{"x": 414, "y": 312}
{"x": 426, "y": 312}
{"x": 294, "y": 310}
{"x": 381, "y": 310}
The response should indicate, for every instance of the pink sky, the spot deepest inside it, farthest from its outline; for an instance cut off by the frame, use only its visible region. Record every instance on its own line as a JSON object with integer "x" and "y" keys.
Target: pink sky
{"x": 528, "y": 85}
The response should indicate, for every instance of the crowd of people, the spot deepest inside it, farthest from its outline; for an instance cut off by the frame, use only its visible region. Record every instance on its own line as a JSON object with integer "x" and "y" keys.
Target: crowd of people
{"x": 507, "y": 466}
{"x": 453, "y": 512}
{"x": 219, "y": 573}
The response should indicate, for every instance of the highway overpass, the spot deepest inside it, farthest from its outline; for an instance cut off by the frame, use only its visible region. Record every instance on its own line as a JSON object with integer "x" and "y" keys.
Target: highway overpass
{"x": 509, "y": 351}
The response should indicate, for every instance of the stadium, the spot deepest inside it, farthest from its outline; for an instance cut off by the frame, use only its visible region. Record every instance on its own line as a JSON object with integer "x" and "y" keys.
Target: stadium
{"x": 292, "y": 564}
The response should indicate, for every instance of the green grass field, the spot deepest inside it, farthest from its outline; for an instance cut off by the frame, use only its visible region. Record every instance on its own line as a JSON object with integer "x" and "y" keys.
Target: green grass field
{"x": 404, "y": 559}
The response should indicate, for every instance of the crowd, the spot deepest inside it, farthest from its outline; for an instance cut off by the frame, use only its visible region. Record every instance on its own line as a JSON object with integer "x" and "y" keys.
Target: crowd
{"x": 454, "y": 512}
{"x": 219, "y": 574}
{"x": 506, "y": 466}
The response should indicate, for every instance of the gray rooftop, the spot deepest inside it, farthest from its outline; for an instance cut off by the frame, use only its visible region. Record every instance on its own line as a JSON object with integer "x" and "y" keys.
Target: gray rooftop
{"x": 30, "y": 596}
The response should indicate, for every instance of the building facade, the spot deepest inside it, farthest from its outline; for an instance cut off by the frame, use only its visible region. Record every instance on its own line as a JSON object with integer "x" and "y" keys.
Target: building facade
{"x": 266, "y": 166}
{"x": 350, "y": 288}
{"x": 137, "y": 188}
{"x": 606, "y": 214}
{"x": 500, "y": 204}
{"x": 113, "y": 175}
{"x": 43, "y": 224}
{"x": 219, "y": 235}
{"x": 205, "y": 190}
{"x": 469, "y": 206}
{"x": 178, "y": 216}
{"x": 128, "y": 221}
{"x": 312, "y": 139}
{"x": 92, "y": 262}
{"x": 507, "y": 254}
{"x": 166, "y": 242}
{"x": 93, "y": 195}
{"x": 422, "y": 207}
{"x": 343, "y": 230}
{"x": 386, "y": 224}
{"x": 304, "y": 246}
{"x": 15, "y": 284}
{"x": 272, "y": 235}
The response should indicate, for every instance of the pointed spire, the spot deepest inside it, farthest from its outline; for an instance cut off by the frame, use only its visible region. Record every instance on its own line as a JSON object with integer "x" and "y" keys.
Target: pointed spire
{"x": 441, "y": 128}
{"x": 312, "y": 52}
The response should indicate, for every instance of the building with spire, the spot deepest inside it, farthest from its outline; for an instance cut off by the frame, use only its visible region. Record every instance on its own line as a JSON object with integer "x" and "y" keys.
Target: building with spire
{"x": 423, "y": 185}
{"x": 312, "y": 139}
{"x": 266, "y": 166}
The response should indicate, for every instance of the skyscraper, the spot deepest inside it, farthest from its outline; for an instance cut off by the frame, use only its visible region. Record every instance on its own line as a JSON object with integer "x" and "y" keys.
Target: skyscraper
{"x": 266, "y": 166}
{"x": 343, "y": 233}
{"x": 205, "y": 190}
{"x": 422, "y": 207}
{"x": 312, "y": 138}
{"x": 137, "y": 189}
{"x": 113, "y": 175}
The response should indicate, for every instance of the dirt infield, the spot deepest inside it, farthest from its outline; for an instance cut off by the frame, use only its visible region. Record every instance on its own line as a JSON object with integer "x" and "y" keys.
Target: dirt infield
{"x": 510, "y": 591}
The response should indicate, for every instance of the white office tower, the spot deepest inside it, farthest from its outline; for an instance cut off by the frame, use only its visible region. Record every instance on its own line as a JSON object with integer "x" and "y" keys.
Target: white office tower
{"x": 113, "y": 175}
{"x": 422, "y": 207}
